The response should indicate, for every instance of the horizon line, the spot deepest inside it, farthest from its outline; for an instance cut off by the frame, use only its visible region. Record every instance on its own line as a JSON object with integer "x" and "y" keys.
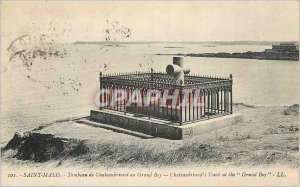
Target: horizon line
{"x": 152, "y": 41}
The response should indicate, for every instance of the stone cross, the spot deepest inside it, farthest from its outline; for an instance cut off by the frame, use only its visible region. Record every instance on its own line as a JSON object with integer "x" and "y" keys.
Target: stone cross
{"x": 177, "y": 70}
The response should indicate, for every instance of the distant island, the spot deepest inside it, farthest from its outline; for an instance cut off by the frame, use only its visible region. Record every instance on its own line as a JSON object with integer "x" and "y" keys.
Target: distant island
{"x": 172, "y": 47}
{"x": 107, "y": 44}
{"x": 282, "y": 51}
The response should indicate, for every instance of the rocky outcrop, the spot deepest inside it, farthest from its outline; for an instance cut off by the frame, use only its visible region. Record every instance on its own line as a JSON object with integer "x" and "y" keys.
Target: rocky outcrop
{"x": 291, "y": 110}
{"x": 36, "y": 147}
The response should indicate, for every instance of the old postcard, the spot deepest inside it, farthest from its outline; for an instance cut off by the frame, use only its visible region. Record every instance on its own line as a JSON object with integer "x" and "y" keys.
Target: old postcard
{"x": 149, "y": 93}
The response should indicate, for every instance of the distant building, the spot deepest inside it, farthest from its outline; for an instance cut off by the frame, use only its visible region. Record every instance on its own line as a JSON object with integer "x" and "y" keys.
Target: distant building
{"x": 283, "y": 48}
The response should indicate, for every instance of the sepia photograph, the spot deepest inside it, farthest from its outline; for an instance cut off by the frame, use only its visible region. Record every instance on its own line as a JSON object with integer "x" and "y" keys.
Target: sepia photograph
{"x": 149, "y": 93}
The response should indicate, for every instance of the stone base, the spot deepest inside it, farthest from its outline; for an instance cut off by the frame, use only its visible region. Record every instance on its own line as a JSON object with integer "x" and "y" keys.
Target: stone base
{"x": 161, "y": 128}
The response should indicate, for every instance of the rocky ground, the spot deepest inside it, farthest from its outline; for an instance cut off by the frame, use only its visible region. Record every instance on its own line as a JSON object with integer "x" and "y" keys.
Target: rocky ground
{"x": 268, "y": 136}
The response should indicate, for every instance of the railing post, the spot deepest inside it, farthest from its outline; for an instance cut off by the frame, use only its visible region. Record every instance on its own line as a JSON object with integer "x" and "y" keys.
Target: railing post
{"x": 204, "y": 99}
{"x": 152, "y": 74}
{"x": 172, "y": 92}
{"x": 112, "y": 90}
{"x": 142, "y": 101}
{"x": 218, "y": 102}
{"x": 180, "y": 102}
{"x": 100, "y": 79}
{"x": 124, "y": 102}
{"x": 130, "y": 97}
{"x": 193, "y": 95}
{"x": 159, "y": 104}
{"x": 149, "y": 97}
{"x": 201, "y": 102}
{"x": 208, "y": 103}
{"x": 231, "y": 81}
{"x": 225, "y": 99}
{"x": 221, "y": 100}
{"x": 100, "y": 85}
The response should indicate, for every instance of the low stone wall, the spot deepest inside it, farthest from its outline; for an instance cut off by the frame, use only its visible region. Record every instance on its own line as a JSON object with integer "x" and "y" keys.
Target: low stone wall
{"x": 153, "y": 128}
{"x": 167, "y": 113}
{"x": 162, "y": 129}
{"x": 201, "y": 127}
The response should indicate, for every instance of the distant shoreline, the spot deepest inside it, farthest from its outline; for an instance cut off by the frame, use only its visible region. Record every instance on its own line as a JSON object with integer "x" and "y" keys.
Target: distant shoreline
{"x": 186, "y": 42}
{"x": 244, "y": 55}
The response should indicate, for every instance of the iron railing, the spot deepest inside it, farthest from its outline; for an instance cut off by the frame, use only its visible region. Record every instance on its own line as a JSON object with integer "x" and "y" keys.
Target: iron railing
{"x": 214, "y": 94}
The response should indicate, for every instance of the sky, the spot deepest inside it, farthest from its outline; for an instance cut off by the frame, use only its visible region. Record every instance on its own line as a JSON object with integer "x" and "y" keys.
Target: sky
{"x": 153, "y": 21}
